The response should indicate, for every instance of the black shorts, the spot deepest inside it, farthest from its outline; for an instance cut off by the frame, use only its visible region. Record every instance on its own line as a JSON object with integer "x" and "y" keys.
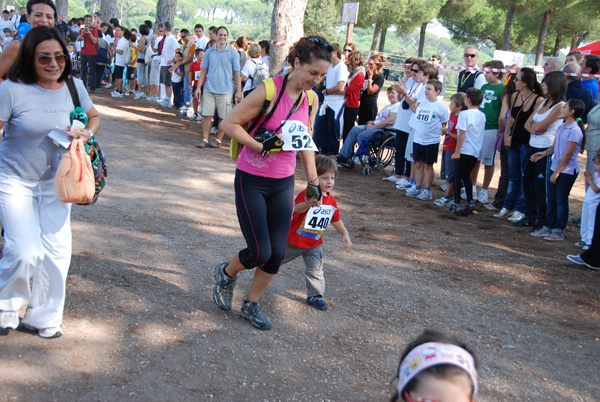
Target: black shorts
{"x": 131, "y": 73}
{"x": 118, "y": 73}
{"x": 426, "y": 153}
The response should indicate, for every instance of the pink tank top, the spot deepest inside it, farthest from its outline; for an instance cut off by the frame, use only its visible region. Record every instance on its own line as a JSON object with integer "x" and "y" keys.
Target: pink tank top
{"x": 281, "y": 164}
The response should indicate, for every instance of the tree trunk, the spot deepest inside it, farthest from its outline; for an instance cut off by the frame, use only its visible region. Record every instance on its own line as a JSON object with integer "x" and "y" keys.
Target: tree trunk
{"x": 422, "y": 39}
{"x": 557, "y": 43}
{"x": 165, "y": 11}
{"x": 376, "y": 35}
{"x": 121, "y": 13}
{"x": 108, "y": 10}
{"x": 539, "y": 51}
{"x": 577, "y": 39}
{"x": 508, "y": 24}
{"x": 287, "y": 26}
{"x": 62, "y": 9}
{"x": 382, "y": 38}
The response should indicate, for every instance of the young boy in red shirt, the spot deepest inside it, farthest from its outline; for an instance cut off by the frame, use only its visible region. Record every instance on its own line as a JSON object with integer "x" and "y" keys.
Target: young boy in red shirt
{"x": 310, "y": 219}
{"x": 193, "y": 79}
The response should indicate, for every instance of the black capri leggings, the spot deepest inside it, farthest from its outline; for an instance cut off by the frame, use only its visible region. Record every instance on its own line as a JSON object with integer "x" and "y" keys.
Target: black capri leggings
{"x": 264, "y": 209}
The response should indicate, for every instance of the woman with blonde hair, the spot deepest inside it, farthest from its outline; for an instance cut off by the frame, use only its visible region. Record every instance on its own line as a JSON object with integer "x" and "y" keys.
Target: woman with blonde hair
{"x": 371, "y": 87}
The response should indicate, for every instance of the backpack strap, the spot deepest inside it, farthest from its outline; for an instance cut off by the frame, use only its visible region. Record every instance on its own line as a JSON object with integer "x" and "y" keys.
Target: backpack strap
{"x": 73, "y": 91}
{"x": 270, "y": 92}
{"x": 310, "y": 95}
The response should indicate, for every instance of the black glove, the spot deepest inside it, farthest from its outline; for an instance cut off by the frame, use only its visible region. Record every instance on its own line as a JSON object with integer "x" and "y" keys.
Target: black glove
{"x": 313, "y": 191}
{"x": 271, "y": 145}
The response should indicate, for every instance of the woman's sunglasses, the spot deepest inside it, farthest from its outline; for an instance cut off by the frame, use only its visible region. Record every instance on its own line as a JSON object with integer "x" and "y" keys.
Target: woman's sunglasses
{"x": 47, "y": 59}
{"x": 322, "y": 43}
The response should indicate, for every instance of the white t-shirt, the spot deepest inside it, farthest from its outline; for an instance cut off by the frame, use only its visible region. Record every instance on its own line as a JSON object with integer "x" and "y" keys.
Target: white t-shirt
{"x": 333, "y": 76}
{"x": 404, "y": 115}
{"x": 472, "y": 121}
{"x": 386, "y": 112}
{"x": 248, "y": 71}
{"x": 267, "y": 60}
{"x": 201, "y": 42}
{"x": 427, "y": 122}
{"x": 122, "y": 44}
{"x": 546, "y": 139}
{"x": 590, "y": 195}
{"x": 6, "y": 24}
{"x": 168, "y": 50}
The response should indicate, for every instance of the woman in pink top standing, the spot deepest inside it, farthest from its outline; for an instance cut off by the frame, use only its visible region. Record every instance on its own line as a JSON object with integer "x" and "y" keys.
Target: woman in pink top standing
{"x": 264, "y": 179}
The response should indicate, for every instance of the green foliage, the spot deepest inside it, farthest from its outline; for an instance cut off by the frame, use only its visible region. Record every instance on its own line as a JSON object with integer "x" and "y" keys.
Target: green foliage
{"x": 322, "y": 18}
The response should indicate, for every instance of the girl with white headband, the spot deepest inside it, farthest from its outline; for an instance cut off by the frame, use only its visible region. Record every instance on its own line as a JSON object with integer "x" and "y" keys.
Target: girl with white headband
{"x": 436, "y": 368}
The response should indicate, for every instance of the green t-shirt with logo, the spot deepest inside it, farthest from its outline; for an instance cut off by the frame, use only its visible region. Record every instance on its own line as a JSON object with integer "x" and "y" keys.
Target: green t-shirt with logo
{"x": 491, "y": 104}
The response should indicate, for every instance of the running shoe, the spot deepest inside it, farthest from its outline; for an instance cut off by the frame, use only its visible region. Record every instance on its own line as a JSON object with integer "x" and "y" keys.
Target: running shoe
{"x": 444, "y": 202}
{"x": 576, "y": 259}
{"x": 490, "y": 207}
{"x": 516, "y": 216}
{"x": 252, "y": 312}
{"x": 9, "y": 319}
{"x": 404, "y": 186}
{"x": 482, "y": 196}
{"x": 503, "y": 212}
{"x": 46, "y": 333}
{"x": 444, "y": 187}
{"x": 223, "y": 291}
{"x": 580, "y": 244}
{"x": 394, "y": 179}
{"x": 425, "y": 195}
{"x": 413, "y": 192}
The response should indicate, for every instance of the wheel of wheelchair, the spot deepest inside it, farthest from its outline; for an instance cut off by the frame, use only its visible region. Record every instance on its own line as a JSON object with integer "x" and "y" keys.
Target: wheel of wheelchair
{"x": 367, "y": 170}
{"x": 386, "y": 156}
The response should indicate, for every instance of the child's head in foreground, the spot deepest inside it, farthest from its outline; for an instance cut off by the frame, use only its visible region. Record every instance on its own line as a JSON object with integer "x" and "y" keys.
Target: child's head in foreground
{"x": 327, "y": 171}
{"x": 457, "y": 102}
{"x": 435, "y": 367}
{"x": 474, "y": 97}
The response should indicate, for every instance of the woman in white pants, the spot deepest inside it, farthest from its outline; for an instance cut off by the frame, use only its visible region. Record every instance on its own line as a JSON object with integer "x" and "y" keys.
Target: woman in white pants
{"x": 37, "y": 226}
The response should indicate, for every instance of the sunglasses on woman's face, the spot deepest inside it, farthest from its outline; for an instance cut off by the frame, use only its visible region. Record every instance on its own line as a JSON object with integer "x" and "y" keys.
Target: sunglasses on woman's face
{"x": 47, "y": 59}
{"x": 322, "y": 43}
{"x": 347, "y": 50}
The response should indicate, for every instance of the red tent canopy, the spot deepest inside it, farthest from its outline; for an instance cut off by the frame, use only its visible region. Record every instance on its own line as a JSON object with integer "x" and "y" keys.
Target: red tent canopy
{"x": 592, "y": 48}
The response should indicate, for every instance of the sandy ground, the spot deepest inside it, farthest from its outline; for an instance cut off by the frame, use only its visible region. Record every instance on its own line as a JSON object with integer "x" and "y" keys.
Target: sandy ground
{"x": 140, "y": 323}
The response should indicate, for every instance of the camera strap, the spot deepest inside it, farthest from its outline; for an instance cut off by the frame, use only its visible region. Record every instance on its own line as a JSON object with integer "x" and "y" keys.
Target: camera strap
{"x": 292, "y": 110}
{"x": 255, "y": 122}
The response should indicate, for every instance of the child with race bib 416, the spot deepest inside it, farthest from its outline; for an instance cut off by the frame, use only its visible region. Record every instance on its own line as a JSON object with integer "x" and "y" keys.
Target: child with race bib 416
{"x": 310, "y": 219}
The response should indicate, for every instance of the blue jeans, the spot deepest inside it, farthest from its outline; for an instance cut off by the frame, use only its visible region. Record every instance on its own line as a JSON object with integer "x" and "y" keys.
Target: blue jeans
{"x": 187, "y": 94}
{"x": 178, "y": 94}
{"x": 514, "y": 197}
{"x": 356, "y": 135}
{"x": 88, "y": 65}
{"x": 558, "y": 202}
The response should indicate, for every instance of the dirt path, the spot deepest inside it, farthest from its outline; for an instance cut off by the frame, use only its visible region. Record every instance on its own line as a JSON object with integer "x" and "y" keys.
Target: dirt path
{"x": 140, "y": 323}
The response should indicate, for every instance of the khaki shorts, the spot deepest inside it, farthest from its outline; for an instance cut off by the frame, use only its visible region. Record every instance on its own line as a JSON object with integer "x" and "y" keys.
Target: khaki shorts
{"x": 210, "y": 101}
{"x": 155, "y": 71}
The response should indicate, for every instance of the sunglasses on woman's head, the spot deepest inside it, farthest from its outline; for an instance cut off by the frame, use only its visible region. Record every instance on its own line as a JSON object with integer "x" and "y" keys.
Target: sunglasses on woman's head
{"x": 321, "y": 43}
{"x": 47, "y": 59}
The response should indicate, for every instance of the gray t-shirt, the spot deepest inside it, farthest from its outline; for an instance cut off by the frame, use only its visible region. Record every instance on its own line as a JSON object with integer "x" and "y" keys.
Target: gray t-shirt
{"x": 30, "y": 112}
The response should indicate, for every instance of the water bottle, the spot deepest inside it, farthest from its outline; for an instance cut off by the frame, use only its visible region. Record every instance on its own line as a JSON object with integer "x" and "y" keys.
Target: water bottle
{"x": 78, "y": 114}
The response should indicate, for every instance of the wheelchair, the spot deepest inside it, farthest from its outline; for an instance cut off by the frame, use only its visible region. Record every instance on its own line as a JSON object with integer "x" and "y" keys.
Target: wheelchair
{"x": 376, "y": 154}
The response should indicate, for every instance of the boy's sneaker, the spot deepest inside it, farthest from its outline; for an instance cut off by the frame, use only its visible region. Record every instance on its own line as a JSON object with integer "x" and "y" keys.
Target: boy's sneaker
{"x": 214, "y": 130}
{"x": 425, "y": 195}
{"x": 223, "y": 291}
{"x": 580, "y": 243}
{"x": 151, "y": 98}
{"x": 576, "y": 259}
{"x": 139, "y": 95}
{"x": 116, "y": 94}
{"x": 463, "y": 195}
{"x": 503, "y": 212}
{"x": 193, "y": 117}
{"x": 404, "y": 186}
{"x": 455, "y": 209}
{"x": 317, "y": 302}
{"x": 490, "y": 207}
{"x": 106, "y": 85}
{"x": 165, "y": 103}
{"x": 413, "y": 192}
{"x": 482, "y": 196}
{"x": 252, "y": 312}
{"x": 516, "y": 216}
{"x": 443, "y": 202}
{"x": 444, "y": 187}
{"x": 9, "y": 319}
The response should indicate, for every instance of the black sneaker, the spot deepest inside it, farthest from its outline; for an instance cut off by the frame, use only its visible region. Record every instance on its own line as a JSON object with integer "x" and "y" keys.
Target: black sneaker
{"x": 223, "y": 291}
{"x": 252, "y": 312}
{"x": 468, "y": 209}
{"x": 525, "y": 223}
